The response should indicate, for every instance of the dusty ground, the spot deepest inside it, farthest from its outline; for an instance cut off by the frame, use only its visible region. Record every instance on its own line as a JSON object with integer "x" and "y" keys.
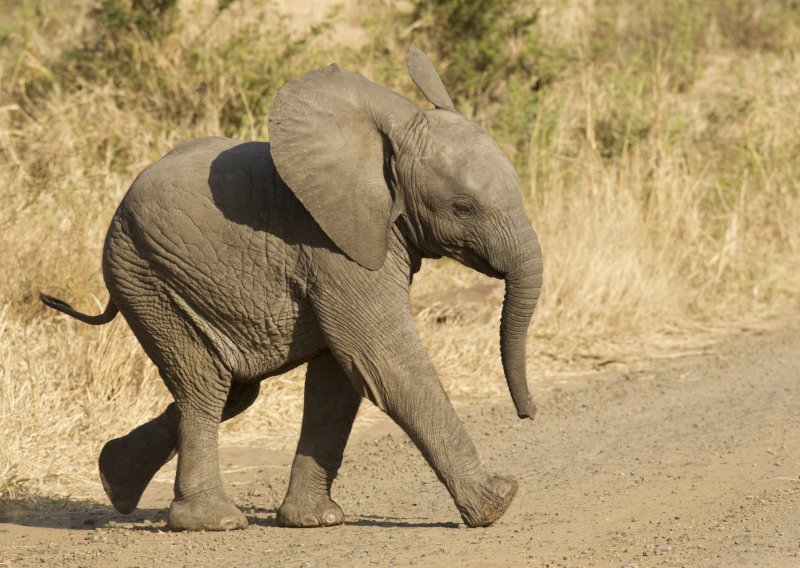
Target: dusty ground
{"x": 695, "y": 462}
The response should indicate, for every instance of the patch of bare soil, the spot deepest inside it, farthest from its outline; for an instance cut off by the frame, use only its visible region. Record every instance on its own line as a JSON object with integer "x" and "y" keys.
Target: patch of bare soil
{"x": 695, "y": 462}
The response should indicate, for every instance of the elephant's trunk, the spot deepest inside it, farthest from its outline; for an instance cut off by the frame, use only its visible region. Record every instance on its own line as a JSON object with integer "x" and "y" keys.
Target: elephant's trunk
{"x": 523, "y": 284}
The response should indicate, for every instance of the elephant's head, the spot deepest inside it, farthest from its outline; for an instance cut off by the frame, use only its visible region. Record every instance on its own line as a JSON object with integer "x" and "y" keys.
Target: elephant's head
{"x": 361, "y": 157}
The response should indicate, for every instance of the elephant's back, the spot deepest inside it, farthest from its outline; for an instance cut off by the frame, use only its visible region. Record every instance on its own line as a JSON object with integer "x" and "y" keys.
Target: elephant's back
{"x": 200, "y": 176}
{"x": 217, "y": 190}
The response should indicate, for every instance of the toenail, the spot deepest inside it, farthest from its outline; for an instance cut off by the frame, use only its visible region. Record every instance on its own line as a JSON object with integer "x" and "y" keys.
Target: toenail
{"x": 228, "y": 524}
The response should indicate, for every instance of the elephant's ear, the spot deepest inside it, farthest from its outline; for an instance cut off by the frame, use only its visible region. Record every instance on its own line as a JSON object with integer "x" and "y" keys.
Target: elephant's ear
{"x": 427, "y": 79}
{"x": 330, "y": 137}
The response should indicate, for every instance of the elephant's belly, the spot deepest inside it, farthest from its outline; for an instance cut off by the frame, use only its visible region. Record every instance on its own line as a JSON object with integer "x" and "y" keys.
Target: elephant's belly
{"x": 264, "y": 333}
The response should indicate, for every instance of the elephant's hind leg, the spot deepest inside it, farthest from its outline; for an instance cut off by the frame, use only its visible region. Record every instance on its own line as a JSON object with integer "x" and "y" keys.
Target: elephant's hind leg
{"x": 190, "y": 363}
{"x": 127, "y": 464}
{"x": 200, "y": 502}
{"x": 330, "y": 407}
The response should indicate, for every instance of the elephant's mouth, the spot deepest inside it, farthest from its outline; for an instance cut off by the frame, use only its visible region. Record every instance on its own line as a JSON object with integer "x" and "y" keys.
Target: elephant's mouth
{"x": 477, "y": 263}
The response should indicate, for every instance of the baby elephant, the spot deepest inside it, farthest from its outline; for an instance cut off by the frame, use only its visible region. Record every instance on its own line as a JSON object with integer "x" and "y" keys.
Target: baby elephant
{"x": 236, "y": 261}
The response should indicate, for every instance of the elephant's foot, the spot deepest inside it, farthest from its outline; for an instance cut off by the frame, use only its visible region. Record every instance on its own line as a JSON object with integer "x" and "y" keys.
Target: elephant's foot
{"x": 126, "y": 470}
{"x": 207, "y": 511}
{"x": 306, "y": 513}
{"x": 489, "y": 503}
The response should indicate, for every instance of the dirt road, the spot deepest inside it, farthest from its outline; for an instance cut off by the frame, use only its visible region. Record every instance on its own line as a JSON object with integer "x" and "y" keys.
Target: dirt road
{"x": 695, "y": 462}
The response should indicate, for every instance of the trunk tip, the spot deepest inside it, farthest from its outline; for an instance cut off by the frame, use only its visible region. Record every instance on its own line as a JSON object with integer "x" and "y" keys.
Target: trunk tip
{"x": 529, "y": 413}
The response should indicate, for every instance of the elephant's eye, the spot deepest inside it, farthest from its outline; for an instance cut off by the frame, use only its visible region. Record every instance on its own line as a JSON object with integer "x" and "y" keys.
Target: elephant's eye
{"x": 463, "y": 207}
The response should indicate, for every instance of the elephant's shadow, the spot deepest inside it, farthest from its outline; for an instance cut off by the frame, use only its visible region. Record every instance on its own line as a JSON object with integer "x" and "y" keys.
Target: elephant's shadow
{"x": 394, "y": 522}
{"x": 267, "y": 518}
{"x": 82, "y": 514}
{"x": 42, "y": 511}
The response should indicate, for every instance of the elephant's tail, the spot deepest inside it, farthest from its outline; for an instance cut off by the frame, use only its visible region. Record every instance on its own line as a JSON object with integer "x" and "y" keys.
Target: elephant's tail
{"x": 110, "y": 312}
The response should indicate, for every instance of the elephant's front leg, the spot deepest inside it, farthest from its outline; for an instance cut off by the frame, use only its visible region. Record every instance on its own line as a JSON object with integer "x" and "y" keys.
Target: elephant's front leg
{"x": 370, "y": 330}
{"x": 330, "y": 406}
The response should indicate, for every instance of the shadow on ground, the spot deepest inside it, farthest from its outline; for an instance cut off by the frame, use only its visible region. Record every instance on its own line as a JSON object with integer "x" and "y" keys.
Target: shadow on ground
{"x": 393, "y": 522}
{"x": 261, "y": 517}
{"x": 65, "y": 512}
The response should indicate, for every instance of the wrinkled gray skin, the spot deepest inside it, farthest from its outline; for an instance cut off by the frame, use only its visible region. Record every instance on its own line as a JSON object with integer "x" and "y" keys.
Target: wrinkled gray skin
{"x": 236, "y": 261}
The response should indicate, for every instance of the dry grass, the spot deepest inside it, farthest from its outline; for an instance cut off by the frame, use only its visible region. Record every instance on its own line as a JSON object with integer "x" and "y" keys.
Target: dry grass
{"x": 666, "y": 206}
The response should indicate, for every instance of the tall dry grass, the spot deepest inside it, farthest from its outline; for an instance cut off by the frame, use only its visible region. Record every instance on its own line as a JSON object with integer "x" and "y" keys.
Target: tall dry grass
{"x": 659, "y": 166}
